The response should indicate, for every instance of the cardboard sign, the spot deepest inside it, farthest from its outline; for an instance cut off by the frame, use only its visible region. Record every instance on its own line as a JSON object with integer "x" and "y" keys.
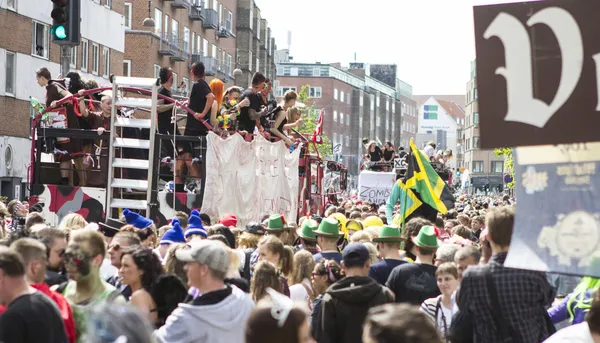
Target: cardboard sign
{"x": 375, "y": 187}
{"x": 538, "y": 66}
{"x": 557, "y": 224}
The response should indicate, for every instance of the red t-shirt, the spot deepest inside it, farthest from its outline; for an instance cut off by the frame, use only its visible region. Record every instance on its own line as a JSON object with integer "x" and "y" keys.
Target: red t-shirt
{"x": 65, "y": 309}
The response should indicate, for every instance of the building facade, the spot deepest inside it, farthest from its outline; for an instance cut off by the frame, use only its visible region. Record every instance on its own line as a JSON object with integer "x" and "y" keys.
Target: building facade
{"x": 223, "y": 34}
{"x": 442, "y": 122}
{"x": 356, "y": 106}
{"x": 484, "y": 166}
{"x": 100, "y": 54}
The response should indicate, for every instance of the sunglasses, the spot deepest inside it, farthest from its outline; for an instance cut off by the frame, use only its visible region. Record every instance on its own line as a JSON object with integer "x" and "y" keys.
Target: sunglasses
{"x": 115, "y": 247}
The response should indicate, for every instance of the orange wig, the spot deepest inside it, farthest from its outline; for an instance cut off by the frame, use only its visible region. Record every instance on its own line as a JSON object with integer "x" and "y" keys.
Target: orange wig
{"x": 216, "y": 86}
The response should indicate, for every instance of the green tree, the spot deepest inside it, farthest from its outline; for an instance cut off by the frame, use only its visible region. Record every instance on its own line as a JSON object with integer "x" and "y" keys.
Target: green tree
{"x": 310, "y": 117}
{"x": 509, "y": 163}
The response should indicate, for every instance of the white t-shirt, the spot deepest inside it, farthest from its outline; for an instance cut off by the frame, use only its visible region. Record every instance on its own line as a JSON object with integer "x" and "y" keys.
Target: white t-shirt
{"x": 578, "y": 333}
{"x": 298, "y": 292}
{"x": 107, "y": 269}
{"x": 429, "y": 151}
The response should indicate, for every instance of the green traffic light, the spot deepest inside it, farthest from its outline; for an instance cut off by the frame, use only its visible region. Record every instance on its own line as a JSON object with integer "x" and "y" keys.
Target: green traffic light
{"x": 60, "y": 32}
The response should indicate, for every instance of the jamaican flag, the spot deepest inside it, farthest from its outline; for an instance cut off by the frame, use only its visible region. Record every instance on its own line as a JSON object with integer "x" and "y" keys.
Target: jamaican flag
{"x": 421, "y": 178}
{"x": 409, "y": 203}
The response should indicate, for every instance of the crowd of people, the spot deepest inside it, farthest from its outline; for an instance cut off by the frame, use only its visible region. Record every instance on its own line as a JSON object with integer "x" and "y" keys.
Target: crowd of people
{"x": 248, "y": 112}
{"x": 349, "y": 276}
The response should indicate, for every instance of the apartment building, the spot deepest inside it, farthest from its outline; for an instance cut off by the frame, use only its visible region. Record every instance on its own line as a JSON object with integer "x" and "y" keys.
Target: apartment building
{"x": 484, "y": 166}
{"x": 223, "y": 34}
{"x": 26, "y": 47}
{"x": 355, "y": 105}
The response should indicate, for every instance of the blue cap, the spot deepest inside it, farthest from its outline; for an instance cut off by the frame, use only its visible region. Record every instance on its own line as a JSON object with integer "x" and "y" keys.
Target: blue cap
{"x": 195, "y": 227}
{"x": 136, "y": 220}
{"x": 173, "y": 235}
{"x": 355, "y": 255}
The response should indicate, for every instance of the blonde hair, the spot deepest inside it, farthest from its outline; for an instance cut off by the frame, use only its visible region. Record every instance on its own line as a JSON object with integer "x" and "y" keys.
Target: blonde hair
{"x": 173, "y": 265}
{"x": 304, "y": 262}
{"x": 248, "y": 240}
{"x": 373, "y": 253}
{"x": 72, "y": 221}
{"x": 361, "y": 237}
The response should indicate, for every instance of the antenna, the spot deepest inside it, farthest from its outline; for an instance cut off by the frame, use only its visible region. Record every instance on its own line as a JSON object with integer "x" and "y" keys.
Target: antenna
{"x": 355, "y": 57}
{"x": 289, "y": 40}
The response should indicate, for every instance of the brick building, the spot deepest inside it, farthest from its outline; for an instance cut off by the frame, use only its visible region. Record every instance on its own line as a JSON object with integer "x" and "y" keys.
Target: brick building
{"x": 223, "y": 34}
{"x": 25, "y": 47}
{"x": 484, "y": 166}
{"x": 356, "y": 106}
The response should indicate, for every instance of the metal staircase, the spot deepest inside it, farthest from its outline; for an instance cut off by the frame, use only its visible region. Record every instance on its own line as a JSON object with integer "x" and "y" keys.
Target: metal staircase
{"x": 117, "y": 186}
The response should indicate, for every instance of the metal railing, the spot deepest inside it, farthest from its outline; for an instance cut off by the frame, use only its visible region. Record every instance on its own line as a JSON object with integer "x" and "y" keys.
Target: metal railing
{"x": 210, "y": 65}
{"x": 181, "y": 3}
{"x": 172, "y": 46}
{"x": 211, "y": 19}
{"x": 196, "y": 12}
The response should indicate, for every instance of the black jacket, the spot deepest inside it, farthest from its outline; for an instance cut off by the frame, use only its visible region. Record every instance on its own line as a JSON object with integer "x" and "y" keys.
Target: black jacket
{"x": 344, "y": 308}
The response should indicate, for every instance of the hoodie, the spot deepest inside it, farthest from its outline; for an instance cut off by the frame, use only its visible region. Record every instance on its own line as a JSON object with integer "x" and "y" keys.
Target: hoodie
{"x": 345, "y": 306}
{"x": 206, "y": 321}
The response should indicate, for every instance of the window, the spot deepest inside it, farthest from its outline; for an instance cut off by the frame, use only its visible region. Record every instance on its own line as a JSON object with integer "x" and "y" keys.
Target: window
{"x": 335, "y": 94}
{"x": 73, "y": 61}
{"x": 348, "y": 99}
{"x": 334, "y": 138}
{"x": 220, "y": 14}
{"x": 40, "y": 44}
{"x": 198, "y": 45}
{"x": 192, "y": 41}
{"x": 342, "y": 96}
{"x": 251, "y": 18}
{"x": 315, "y": 92}
{"x": 341, "y": 118}
{"x": 475, "y": 142}
{"x": 165, "y": 34}
{"x": 475, "y": 118}
{"x": 127, "y": 16}
{"x": 335, "y": 116}
{"x": 477, "y": 166}
{"x": 126, "y": 68}
{"x": 316, "y": 72}
{"x": 175, "y": 30}
{"x": 347, "y": 120}
{"x": 281, "y": 90}
{"x": 347, "y": 140}
{"x": 378, "y": 121}
{"x": 378, "y": 101}
{"x": 12, "y": 4}
{"x": 257, "y": 64}
{"x": 497, "y": 167}
{"x": 229, "y": 63}
{"x": 107, "y": 3}
{"x": 475, "y": 95}
{"x": 95, "y": 58}
{"x": 158, "y": 28}
{"x": 11, "y": 60}
{"x": 387, "y": 105}
{"x": 393, "y": 107}
{"x": 214, "y": 51}
{"x": 186, "y": 84}
{"x": 205, "y": 47}
{"x": 361, "y": 100}
{"x": 84, "y": 55}
{"x": 156, "y": 71}
{"x": 229, "y": 22}
{"x": 257, "y": 28}
{"x": 186, "y": 39}
{"x": 106, "y": 69}
{"x": 175, "y": 80}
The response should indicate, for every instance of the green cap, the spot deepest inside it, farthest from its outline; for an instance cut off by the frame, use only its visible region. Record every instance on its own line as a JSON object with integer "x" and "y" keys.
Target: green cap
{"x": 276, "y": 223}
{"x": 426, "y": 238}
{"x": 329, "y": 228}
{"x": 389, "y": 233}
{"x": 307, "y": 231}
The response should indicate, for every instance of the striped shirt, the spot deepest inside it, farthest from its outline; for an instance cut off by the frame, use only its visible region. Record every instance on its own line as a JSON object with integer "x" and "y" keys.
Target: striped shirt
{"x": 432, "y": 306}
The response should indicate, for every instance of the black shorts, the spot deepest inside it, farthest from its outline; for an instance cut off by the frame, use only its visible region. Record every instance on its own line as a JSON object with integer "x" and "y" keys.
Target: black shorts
{"x": 192, "y": 147}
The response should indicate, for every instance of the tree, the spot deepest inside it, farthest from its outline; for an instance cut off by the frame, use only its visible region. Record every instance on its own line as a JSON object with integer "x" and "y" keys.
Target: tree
{"x": 310, "y": 116}
{"x": 509, "y": 163}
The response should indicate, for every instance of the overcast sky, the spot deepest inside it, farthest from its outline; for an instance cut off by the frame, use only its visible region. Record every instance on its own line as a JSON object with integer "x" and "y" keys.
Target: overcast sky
{"x": 431, "y": 41}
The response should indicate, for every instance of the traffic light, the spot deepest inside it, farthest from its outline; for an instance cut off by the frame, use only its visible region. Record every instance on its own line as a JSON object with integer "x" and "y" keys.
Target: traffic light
{"x": 66, "y": 22}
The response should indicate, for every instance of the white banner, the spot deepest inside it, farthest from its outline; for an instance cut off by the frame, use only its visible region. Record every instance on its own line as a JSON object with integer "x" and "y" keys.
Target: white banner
{"x": 250, "y": 180}
{"x": 375, "y": 187}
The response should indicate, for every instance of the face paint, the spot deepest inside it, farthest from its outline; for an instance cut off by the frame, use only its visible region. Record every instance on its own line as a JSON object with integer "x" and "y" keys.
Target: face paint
{"x": 74, "y": 256}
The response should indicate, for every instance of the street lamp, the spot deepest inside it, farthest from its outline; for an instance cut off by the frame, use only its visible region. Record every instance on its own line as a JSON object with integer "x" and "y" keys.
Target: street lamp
{"x": 149, "y": 21}
{"x": 237, "y": 71}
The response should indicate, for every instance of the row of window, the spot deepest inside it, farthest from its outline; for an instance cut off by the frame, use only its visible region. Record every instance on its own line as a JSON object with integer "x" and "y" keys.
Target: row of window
{"x": 473, "y": 119}
{"x": 335, "y": 118}
{"x": 477, "y": 167}
{"x": 409, "y": 127}
{"x": 344, "y": 97}
{"x": 472, "y": 143}
{"x": 342, "y": 139}
{"x": 41, "y": 48}
{"x": 12, "y": 4}
{"x": 471, "y": 95}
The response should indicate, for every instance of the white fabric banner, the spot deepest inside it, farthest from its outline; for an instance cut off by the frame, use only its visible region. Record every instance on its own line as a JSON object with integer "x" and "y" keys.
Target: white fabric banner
{"x": 250, "y": 180}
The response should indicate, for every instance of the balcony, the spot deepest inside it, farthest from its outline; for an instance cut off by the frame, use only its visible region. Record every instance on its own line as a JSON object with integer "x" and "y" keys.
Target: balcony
{"x": 211, "y": 19}
{"x": 177, "y": 49}
{"x": 196, "y": 12}
{"x": 222, "y": 32}
{"x": 180, "y": 4}
{"x": 224, "y": 72}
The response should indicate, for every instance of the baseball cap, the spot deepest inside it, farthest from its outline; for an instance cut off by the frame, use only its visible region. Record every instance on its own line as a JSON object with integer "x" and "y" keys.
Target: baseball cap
{"x": 208, "y": 252}
{"x": 255, "y": 228}
{"x": 355, "y": 255}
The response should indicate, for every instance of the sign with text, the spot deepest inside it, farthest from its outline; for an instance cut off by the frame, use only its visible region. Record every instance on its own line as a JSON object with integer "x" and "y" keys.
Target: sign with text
{"x": 557, "y": 224}
{"x": 375, "y": 187}
{"x": 538, "y": 66}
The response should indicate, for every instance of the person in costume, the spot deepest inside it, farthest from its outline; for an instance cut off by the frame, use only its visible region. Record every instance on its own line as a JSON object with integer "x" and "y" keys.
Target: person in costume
{"x": 388, "y": 246}
{"x": 308, "y": 238}
{"x": 577, "y": 304}
{"x": 328, "y": 235}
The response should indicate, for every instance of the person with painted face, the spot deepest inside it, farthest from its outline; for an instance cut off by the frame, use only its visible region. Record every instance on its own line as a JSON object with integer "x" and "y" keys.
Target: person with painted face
{"x": 83, "y": 258}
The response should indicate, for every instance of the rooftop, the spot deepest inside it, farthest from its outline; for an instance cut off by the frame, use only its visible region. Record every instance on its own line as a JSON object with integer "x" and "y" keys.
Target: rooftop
{"x": 454, "y": 110}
